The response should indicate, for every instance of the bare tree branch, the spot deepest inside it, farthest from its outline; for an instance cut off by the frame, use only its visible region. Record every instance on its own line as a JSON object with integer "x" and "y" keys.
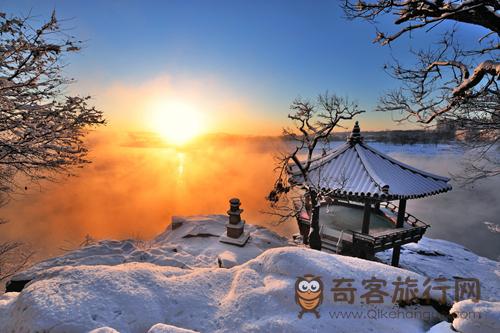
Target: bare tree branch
{"x": 41, "y": 127}
{"x": 314, "y": 123}
{"x": 447, "y": 82}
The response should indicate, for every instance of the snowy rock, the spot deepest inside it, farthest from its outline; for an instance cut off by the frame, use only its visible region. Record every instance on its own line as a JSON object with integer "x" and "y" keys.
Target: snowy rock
{"x": 473, "y": 317}
{"x": 442, "y": 327}
{"x": 6, "y": 302}
{"x": 253, "y": 297}
{"x": 437, "y": 258}
{"x": 227, "y": 259}
{"x": 185, "y": 280}
{"x": 163, "y": 328}
{"x": 193, "y": 243}
{"x": 104, "y": 330}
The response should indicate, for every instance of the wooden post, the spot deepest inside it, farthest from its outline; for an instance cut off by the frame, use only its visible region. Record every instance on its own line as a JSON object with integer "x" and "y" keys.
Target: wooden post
{"x": 314, "y": 236}
{"x": 399, "y": 224}
{"x": 366, "y": 218}
{"x": 401, "y": 213}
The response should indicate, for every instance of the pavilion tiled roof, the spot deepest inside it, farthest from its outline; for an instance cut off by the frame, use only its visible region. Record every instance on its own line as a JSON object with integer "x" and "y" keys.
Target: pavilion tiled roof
{"x": 356, "y": 169}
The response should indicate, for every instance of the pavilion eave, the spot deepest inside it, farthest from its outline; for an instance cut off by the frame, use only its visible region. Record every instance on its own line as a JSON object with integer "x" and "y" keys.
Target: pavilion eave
{"x": 361, "y": 196}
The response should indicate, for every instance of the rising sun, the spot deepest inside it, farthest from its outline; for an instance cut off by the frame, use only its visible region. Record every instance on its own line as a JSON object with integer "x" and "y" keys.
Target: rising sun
{"x": 176, "y": 122}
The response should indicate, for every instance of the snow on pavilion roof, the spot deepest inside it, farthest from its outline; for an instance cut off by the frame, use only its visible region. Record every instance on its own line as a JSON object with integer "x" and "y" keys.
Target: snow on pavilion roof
{"x": 357, "y": 170}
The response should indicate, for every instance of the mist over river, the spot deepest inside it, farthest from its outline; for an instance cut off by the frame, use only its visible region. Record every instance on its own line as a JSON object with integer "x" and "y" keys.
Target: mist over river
{"x": 135, "y": 184}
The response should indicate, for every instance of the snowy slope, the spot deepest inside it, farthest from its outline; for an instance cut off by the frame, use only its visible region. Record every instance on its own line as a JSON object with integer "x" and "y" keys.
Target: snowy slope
{"x": 437, "y": 258}
{"x": 254, "y": 297}
{"x": 193, "y": 244}
{"x": 175, "y": 283}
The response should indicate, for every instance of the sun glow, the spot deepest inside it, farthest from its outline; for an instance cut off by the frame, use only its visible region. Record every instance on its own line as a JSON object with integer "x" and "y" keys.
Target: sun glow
{"x": 176, "y": 122}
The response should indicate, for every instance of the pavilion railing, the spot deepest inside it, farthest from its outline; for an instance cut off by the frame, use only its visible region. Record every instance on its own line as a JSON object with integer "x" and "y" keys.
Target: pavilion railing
{"x": 336, "y": 240}
{"x": 409, "y": 218}
{"x": 373, "y": 243}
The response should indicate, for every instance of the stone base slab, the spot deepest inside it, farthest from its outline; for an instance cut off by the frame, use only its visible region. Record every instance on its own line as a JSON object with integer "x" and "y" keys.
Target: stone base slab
{"x": 240, "y": 241}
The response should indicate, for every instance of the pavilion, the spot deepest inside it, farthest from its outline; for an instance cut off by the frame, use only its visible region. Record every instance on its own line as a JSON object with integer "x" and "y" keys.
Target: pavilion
{"x": 358, "y": 217}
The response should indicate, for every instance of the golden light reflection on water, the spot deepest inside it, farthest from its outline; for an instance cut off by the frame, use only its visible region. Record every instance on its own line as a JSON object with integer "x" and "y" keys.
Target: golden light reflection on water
{"x": 180, "y": 168}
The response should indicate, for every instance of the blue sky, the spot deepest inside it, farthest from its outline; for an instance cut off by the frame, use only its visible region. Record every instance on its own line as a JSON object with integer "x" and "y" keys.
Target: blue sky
{"x": 265, "y": 52}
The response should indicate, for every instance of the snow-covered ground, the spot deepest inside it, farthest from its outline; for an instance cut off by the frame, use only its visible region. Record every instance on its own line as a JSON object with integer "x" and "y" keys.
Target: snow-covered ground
{"x": 438, "y": 258}
{"x": 175, "y": 283}
{"x": 193, "y": 244}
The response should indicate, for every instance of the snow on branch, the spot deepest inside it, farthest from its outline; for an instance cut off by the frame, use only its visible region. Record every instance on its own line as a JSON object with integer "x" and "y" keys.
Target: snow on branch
{"x": 421, "y": 98}
{"x": 41, "y": 127}
{"x": 449, "y": 80}
{"x": 417, "y": 14}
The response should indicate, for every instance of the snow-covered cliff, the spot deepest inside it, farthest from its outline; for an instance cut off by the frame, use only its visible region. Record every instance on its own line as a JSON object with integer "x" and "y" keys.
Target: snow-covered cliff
{"x": 186, "y": 280}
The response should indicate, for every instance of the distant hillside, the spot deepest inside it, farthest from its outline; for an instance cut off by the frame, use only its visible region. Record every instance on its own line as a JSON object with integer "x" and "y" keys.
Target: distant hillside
{"x": 396, "y": 137}
{"x": 153, "y": 140}
{"x": 404, "y": 136}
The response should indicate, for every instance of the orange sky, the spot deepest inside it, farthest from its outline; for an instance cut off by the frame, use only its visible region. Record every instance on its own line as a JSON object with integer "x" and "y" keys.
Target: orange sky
{"x": 142, "y": 106}
{"x": 160, "y": 105}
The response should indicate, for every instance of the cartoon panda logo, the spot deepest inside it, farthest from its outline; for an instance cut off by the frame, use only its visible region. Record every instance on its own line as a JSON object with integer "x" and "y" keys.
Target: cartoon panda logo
{"x": 309, "y": 294}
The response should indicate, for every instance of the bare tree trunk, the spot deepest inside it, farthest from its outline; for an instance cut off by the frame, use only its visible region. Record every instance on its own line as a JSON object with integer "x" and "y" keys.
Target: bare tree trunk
{"x": 314, "y": 237}
{"x": 304, "y": 232}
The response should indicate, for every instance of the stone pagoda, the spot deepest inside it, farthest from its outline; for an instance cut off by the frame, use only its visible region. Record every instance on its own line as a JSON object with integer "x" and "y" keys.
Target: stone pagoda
{"x": 235, "y": 227}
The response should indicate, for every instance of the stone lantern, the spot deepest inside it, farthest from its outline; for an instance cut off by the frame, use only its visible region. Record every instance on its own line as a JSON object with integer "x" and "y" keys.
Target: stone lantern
{"x": 235, "y": 227}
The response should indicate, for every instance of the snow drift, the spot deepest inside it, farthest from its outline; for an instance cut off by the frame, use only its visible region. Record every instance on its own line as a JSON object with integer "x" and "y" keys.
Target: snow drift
{"x": 185, "y": 280}
{"x": 437, "y": 258}
{"x": 192, "y": 244}
{"x": 254, "y": 297}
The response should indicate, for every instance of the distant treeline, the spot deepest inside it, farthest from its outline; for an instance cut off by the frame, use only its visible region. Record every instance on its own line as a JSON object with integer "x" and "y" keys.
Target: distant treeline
{"x": 403, "y": 137}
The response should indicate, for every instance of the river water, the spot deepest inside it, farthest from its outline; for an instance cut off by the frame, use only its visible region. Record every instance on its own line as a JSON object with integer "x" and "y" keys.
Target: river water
{"x": 134, "y": 186}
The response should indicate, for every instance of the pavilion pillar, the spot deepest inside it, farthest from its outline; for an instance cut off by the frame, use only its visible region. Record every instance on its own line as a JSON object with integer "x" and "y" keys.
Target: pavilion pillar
{"x": 401, "y": 213}
{"x": 396, "y": 251}
{"x": 314, "y": 236}
{"x": 366, "y": 218}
